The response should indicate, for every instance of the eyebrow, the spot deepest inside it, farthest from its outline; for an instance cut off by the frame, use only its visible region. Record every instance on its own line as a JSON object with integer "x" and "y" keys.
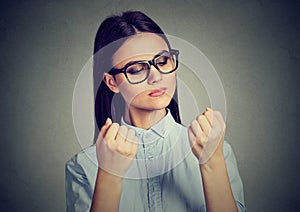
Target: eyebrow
{"x": 136, "y": 61}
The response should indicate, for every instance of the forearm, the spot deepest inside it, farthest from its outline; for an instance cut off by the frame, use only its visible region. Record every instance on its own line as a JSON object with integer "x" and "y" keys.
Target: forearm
{"x": 107, "y": 192}
{"x": 216, "y": 185}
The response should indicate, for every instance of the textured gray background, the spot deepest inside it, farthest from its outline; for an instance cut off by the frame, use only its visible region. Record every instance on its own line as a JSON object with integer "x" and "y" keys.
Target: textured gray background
{"x": 254, "y": 46}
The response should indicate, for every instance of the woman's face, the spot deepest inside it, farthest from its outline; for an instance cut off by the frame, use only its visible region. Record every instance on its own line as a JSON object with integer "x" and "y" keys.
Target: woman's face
{"x": 158, "y": 89}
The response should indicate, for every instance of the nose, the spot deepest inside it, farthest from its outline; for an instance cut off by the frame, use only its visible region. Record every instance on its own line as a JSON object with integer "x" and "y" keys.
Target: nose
{"x": 154, "y": 75}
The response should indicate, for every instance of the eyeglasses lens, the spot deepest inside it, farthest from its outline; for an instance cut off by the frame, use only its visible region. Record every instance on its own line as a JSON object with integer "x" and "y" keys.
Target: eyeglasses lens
{"x": 139, "y": 71}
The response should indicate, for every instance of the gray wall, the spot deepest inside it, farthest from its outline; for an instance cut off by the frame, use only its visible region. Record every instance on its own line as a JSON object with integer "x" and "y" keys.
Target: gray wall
{"x": 254, "y": 46}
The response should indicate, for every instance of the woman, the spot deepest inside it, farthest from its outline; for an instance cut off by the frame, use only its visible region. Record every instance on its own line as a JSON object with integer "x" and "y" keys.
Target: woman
{"x": 142, "y": 150}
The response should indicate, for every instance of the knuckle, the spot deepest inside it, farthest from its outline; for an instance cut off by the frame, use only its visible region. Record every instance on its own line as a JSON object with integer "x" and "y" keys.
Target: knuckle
{"x": 115, "y": 126}
{"x": 127, "y": 152}
{"x": 218, "y": 113}
{"x": 201, "y": 118}
{"x": 207, "y": 112}
{"x": 193, "y": 141}
{"x": 119, "y": 149}
{"x": 131, "y": 132}
{"x": 203, "y": 138}
{"x": 135, "y": 140}
{"x": 132, "y": 139}
{"x": 194, "y": 123}
{"x": 123, "y": 128}
{"x": 122, "y": 131}
{"x": 191, "y": 123}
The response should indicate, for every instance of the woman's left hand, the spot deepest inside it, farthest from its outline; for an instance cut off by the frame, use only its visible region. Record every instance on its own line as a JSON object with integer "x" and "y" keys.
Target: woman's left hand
{"x": 206, "y": 136}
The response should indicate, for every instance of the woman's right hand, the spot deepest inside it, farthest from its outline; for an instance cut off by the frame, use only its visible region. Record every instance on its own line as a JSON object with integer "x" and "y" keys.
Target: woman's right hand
{"x": 116, "y": 147}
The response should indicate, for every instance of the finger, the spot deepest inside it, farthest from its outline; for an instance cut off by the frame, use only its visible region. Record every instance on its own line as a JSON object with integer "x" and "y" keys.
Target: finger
{"x": 130, "y": 143}
{"x": 126, "y": 149}
{"x": 200, "y": 140}
{"x": 200, "y": 136}
{"x": 131, "y": 136}
{"x": 111, "y": 134}
{"x": 121, "y": 136}
{"x": 196, "y": 129}
{"x": 219, "y": 117}
{"x": 209, "y": 115}
{"x": 192, "y": 137}
{"x": 197, "y": 150}
{"x": 103, "y": 129}
{"x": 132, "y": 146}
{"x": 219, "y": 124}
{"x": 204, "y": 124}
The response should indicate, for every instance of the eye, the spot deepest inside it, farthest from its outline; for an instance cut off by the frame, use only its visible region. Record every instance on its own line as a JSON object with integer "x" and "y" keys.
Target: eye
{"x": 134, "y": 72}
{"x": 136, "y": 69}
{"x": 163, "y": 59}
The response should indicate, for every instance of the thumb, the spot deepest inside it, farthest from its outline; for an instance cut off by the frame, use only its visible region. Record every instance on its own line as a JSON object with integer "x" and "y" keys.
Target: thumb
{"x": 104, "y": 129}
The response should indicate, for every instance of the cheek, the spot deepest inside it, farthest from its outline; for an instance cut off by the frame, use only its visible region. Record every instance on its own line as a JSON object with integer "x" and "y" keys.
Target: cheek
{"x": 137, "y": 92}
{"x": 171, "y": 81}
{"x": 129, "y": 92}
{"x": 120, "y": 78}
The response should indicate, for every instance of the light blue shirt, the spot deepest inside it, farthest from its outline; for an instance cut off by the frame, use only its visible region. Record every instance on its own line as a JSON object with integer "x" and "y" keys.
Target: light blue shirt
{"x": 164, "y": 176}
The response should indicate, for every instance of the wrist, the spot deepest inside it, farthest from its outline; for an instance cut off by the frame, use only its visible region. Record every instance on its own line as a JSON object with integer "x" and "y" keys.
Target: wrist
{"x": 109, "y": 177}
{"x": 214, "y": 163}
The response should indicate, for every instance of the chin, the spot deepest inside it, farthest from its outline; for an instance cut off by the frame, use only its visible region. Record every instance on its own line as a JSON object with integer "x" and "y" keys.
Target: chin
{"x": 155, "y": 105}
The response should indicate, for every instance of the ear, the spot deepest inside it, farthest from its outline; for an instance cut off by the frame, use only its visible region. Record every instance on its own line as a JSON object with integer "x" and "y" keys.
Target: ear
{"x": 111, "y": 82}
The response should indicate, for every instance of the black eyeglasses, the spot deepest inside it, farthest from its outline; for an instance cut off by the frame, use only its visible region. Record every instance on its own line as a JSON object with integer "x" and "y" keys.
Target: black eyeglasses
{"x": 138, "y": 71}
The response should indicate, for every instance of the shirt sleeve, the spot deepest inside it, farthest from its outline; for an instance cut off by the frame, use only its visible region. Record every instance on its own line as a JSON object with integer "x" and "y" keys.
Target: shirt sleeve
{"x": 234, "y": 177}
{"x": 78, "y": 189}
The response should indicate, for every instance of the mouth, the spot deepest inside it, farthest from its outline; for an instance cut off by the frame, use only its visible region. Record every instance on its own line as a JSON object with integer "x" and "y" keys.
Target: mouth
{"x": 157, "y": 92}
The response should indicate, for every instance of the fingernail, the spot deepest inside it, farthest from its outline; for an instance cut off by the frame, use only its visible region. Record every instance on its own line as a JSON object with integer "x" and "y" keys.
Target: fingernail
{"x": 107, "y": 120}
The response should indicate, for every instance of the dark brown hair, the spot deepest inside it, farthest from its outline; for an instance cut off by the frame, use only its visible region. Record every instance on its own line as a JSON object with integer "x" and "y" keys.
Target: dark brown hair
{"x": 113, "y": 29}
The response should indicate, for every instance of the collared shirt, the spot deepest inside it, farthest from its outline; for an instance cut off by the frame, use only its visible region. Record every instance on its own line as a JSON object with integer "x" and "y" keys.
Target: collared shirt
{"x": 164, "y": 176}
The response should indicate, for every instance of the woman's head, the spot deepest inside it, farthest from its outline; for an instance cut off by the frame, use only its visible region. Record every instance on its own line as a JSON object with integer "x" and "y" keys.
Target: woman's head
{"x": 136, "y": 38}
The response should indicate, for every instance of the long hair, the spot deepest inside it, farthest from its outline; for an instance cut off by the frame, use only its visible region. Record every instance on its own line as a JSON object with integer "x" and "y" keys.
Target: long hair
{"x": 113, "y": 29}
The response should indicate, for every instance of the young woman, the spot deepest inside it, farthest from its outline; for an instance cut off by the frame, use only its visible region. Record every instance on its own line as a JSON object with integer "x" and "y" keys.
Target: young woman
{"x": 144, "y": 159}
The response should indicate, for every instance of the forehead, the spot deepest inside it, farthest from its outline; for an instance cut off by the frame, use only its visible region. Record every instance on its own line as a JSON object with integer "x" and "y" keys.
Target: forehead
{"x": 141, "y": 46}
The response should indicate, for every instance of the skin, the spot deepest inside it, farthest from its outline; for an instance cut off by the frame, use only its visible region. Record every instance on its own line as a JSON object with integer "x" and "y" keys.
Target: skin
{"x": 141, "y": 109}
{"x": 144, "y": 111}
{"x": 215, "y": 180}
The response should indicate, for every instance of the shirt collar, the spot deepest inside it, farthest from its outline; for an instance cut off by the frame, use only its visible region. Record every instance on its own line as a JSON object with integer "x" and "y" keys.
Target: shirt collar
{"x": 161, "y": 128}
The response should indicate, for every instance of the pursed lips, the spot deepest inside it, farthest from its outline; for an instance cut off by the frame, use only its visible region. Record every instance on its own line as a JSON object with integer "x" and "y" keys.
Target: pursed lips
{"x": 157, "y": 92}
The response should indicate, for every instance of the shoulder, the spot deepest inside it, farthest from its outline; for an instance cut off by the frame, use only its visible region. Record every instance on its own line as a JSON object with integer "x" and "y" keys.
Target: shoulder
{"x": 83, "y": 155}
{"x": 83, "y": 162}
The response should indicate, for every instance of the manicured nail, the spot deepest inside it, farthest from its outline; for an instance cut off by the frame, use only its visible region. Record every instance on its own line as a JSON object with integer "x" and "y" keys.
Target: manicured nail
{"x": 107, "y": 120}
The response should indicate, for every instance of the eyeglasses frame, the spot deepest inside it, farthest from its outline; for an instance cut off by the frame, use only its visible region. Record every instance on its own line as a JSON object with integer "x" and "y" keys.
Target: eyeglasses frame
{"x": 173, "y": 52}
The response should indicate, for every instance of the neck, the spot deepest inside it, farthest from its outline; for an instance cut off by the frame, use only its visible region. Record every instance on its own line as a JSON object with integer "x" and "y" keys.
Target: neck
{"x": 143, "y": 118}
